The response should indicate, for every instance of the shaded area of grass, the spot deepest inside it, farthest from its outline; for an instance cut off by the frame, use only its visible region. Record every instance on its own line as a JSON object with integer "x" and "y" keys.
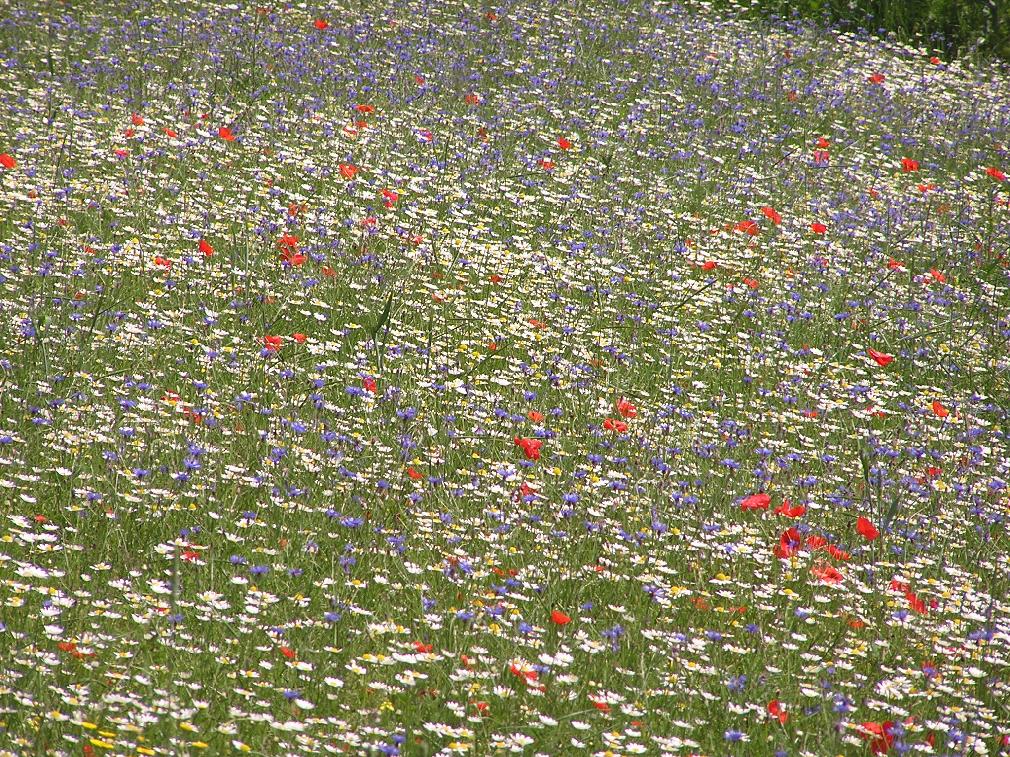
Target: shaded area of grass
{"x": 954, "y": 27}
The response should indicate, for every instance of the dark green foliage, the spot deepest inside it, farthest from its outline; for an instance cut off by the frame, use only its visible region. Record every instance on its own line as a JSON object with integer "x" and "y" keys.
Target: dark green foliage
{"x": 955, "y": 27}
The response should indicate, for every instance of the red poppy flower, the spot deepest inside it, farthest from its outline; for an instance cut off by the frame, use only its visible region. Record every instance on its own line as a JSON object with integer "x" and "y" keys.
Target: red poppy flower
{"x": 615, "y": 425}
{"x": 163, "y": 262}
{"x": 472, "y": 99}
{"x": 909, "y": 166}
{"x": 626, "y": 409}
{"x": 838, "y": 554}
{"x": 321, "y": 24}
{"x": 534, "y": 416}
{"x": 299, "y": 337}
{"x": 368, "y": 383}
{"x": 816, "y": 541}
{"x": 822, "y": 143}
{"x": 288, "y": 245}
{"x": 699, "y": 602}
{"x": 525, "y": 490}
{"x": 564, "y": 144}
{"x": 328, "y": 271}
{"x": 866, "y": 529}
{"x": 389, "y": 197}
{"x": 827, "y": 574}
{"x": 752, "y": 283}
{"x": 170, "y": 133}
{"x": 288, "y": 652}
{"x": 879, "y": 735}
{"x": 876, "y": 78}
{"x": 771, "y": 214}
{"x": 137, "y": 120}
{"x": 206, "y": 248}
{"x": 880, "y": 358}
{"x": 529, "y": 675}
{"x": 895, "y": 265}
{"x": 709, "y": 265}
{"x": 992, "y": 171}
{"x": 530, "y": 447}
{"x": 917, "y": 605}
{"x": 756, "y": 502}
{"x": 348, "y": 171}
{"x": 225, "y": 133}
{"x": 789, "y": 543}
{"x": 818, "y": 228}
{"x": 547, "y": 164}
{"x": 937, "y": 276}
{"x": 935, "y": 60}
{"x": 273, "y": 343}
{"x": 70, "y": 647}
{"x": 421, "y": 648}
{"x": 7, "y": 160}
{"x": 939, "y": 410}
{"x": 748, "y": 227}
{"x": 776, "y": 710}
{"x": 789, "y": 510}
{"x": 559, "y": 618}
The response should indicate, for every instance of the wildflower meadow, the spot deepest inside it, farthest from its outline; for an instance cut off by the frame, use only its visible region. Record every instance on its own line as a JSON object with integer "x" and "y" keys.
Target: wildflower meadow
{"x": 425, "y": 378}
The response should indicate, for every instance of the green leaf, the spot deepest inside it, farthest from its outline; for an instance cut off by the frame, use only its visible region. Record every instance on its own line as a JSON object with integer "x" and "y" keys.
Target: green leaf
{"x": 383, "y": 317}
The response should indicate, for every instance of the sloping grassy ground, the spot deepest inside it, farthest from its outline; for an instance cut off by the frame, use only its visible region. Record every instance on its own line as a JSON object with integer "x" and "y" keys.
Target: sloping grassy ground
{"x": 409, "y": 378}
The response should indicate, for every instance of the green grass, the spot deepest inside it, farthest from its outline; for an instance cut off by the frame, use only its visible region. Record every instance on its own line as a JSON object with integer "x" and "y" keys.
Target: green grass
{"x": 154, "y": 451}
